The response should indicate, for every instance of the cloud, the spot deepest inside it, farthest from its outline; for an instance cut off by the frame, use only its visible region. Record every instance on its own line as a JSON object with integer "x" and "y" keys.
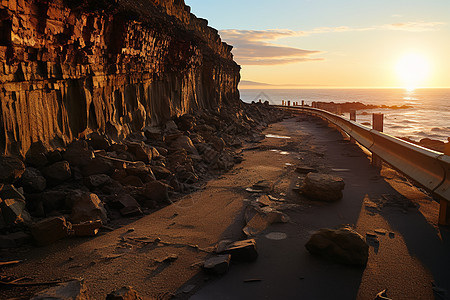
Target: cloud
{"x": 419, "y": 26}
{"x": 254, "y": 47}
{"x": 257, "y": 47}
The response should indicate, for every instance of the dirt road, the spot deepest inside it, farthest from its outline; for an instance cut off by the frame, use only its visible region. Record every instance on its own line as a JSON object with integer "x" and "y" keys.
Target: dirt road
{"x": 410, "y": 254}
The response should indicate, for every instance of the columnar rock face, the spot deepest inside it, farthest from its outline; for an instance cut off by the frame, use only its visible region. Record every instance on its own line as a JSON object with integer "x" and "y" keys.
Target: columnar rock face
{"x": 72, "y": 67}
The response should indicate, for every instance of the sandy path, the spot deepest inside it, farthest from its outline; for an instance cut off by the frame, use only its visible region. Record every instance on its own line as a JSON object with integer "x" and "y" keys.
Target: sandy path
{"x": 405, "y": 262}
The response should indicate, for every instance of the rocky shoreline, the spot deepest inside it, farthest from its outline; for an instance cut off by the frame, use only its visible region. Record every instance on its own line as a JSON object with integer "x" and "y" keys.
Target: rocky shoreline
{"x": 54, "y": 193}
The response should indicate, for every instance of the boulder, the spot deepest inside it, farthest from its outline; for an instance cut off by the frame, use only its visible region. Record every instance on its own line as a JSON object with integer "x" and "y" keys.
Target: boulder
{"x": 217, "y": 264}
{"x": 323, "y": 187}
{"x": 9, "y": 191}
{"x": 54, "y": 156}
{"x": 87, "y": 207}
{"x": 140, "y": 151}
{"x": 242, "y": 250}
{"x": 131, "y": 180}
{"x": 14, "y": 212}
{"x": 96, "y": 181}
{"x": 160, "y": 172}
{"x": 13, "y": 240}
{"x": 141, "y": 170}
{"x": 57, "y": 173}
{"x": 90, "y": 228}
{"x": 78, "y": 153}
{"x": 184, "y": 142}
{"x": 75, "y": 289}
{"x": 97, "y": 166}
{"x": 50, "y": 230}
{"x": 11, "y": 169}
{"x": 153, "y": 133}
{"x": 33, "y": 181}
{"x": 156, "y": 191}
{"x": 37, "y": 155}
{"x": 305, "y": 170}
{"x": 124, "y": 293}
{"x": 99, "y": 142}
{"x": 343, "y": 245}
{"x": 128, "y": 205}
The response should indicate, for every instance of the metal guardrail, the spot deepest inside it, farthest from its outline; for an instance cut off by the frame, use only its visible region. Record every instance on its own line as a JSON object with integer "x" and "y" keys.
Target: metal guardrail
{"x": 429, "y": 168}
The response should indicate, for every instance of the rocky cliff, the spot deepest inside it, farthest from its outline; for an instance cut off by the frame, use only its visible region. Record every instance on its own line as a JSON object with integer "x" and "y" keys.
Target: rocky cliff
{"x": 72, "y": 67}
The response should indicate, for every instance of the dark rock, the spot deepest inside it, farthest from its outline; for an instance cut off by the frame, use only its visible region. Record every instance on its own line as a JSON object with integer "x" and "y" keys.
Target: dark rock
{"x": 90, "y": 228}
{"x": 217, "y": 264}
{"x": 170, "y": 126}
{"x": 160, "y": 172}
{"x": 11, "y": 169}
{"x": 53, "y": 200}
{"x": 37, "y": 155}
{"x": 54, "y": 156}
{"x": 99, "y": 142}
{"x": 50, "y": 230}
{"x": 57, "y": 173}
{"x": 242, "y": 250}
{"x": 323, "y": 187}
{"x": 8, "y": 191}
{"x": 13, "y": 240}
{"x": 75, "y": 289}
{"x": 128, "y": 205}
{"x": 124, "y": 293}
{"x": 140, "y": 170}
{"x": 186, "y": 122}
{"x": 343, "y": 245}
{"x": 95, "y": 181}
{"x": 87, "y": 207}
{"x": 140, "y": 151}
{"x": 153, "y": 133}
{"x": 14, "y": 212}
{"x": 131, "y": 180}
{"x": 78, "y": 153}
{"x": 184, "y": 142}
{"x": 33, "y": 181}
{"x": 97, "y": 166}
{"x": 156, "y": 191}
{"x": 264, "y": 186}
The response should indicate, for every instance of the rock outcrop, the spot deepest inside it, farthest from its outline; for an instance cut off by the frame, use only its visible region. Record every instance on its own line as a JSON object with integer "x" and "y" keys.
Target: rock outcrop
{"x": 72, "y": 67}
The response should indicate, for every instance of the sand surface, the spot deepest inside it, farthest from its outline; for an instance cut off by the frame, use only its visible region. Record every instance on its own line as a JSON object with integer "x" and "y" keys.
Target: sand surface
{"x": 412, "y": 253}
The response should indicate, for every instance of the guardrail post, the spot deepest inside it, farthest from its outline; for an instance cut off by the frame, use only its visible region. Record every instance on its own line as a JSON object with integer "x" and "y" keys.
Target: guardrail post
{"x": 447, "y": 147}
{"x": 444, "y": 212}
{"x": 289, "y": 103}
{"x": 377, "y": 124}
{"x": 303, "y": 102}
{"x": 353, "y": 115}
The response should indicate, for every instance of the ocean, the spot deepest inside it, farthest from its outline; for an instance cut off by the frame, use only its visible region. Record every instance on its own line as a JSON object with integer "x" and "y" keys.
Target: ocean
{"x": 428, "y": 117}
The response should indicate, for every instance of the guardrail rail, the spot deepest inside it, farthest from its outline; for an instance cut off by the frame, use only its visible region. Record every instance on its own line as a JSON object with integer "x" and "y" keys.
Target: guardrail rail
{"x": 428, "y": 168}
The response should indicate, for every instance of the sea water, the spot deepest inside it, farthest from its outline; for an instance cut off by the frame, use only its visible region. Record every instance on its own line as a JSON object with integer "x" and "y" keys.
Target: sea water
{"x": 427, "y": 117}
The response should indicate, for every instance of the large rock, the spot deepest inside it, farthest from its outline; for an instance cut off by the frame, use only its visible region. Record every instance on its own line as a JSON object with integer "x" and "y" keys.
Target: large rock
{"x": 50, "y": 230}
{"x": 97, "y": 166}
{"x": 323, "y": 187}
{"x": 87, "y": 207}
{"x": 217, "y": 264}
{"x": 99, "y": 142}
{"x": 14, "y": 212}
{"x": 242, "y": 250}
{"x": 37, "y": 155}
{"x": 33, "y": 181}
{"x": 140, "y": 151}
{"x": 57, "y": 173}
{"x": 124, "y": 293}
{"x": 78, "y": 153}
{"x": 141, "y": 170}
{"x": 11, "y": 169}
{"x": 15, "y": 239}
{"x": 72, "y": 290}
{"x": 343, "y": 245}
{"x": 156, "y": 191}
{"x": 9, "y": 191}
{"x": 184, "y": 142}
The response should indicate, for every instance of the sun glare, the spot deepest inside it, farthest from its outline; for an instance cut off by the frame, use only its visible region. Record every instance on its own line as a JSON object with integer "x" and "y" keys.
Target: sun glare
{"x": 412, "y": 69}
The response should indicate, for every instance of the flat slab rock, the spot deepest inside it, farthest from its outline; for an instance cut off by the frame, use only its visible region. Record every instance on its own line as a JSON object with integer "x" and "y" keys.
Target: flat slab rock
{"x": 342, "y": 245}
{"x": 75, "y": 289}
{"x": 323, "y": 187}
{"x": 242, "y": 250}
{"x": 217, "y": 264}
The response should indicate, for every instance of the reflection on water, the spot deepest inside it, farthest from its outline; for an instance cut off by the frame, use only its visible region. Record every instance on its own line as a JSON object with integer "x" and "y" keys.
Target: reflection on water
{"x": 428, "y": 116}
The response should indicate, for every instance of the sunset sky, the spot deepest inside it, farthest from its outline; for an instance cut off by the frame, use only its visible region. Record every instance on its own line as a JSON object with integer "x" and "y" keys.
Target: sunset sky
{"x": 329, "y": 43}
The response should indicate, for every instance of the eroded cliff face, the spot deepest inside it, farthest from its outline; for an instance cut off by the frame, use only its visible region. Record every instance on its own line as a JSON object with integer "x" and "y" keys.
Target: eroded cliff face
{"x": 72, "y": 67}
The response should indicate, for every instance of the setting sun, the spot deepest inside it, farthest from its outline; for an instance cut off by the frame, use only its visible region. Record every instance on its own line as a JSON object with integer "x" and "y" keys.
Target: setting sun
{"x": 413, "y": 70}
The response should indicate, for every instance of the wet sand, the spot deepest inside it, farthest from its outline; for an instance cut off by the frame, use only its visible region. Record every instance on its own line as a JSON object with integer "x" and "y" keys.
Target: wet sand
{"x": 413, "y": 251}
